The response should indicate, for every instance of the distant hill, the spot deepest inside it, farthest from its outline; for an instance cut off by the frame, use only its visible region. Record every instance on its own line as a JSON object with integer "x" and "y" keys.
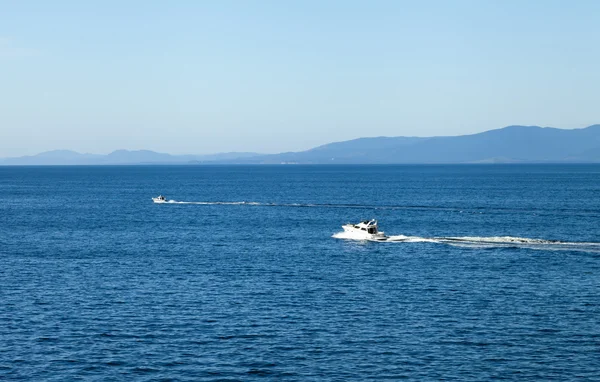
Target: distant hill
{"x": 512, "y": 144}
{"x": 118, "y": 157}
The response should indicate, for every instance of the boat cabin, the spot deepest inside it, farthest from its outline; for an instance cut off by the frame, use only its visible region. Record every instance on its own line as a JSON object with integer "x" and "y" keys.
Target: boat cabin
{"x": 370, "y": 226}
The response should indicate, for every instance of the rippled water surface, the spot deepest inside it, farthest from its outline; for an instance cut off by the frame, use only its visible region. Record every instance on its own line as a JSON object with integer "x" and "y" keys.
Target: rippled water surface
{"x": 245, "y": 281}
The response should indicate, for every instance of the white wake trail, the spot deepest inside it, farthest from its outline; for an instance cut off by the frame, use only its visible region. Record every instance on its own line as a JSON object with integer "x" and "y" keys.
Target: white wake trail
{"x": 217, "y": 203}
{"x": 485, "y": 242}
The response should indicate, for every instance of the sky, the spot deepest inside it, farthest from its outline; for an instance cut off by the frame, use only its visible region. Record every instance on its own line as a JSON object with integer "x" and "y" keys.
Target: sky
{"x": 199, "y": 77}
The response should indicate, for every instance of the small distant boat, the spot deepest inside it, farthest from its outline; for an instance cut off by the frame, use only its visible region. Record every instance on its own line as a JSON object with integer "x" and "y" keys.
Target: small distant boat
{"x": 367, "y": 229}
{"x": 159, "y": 199}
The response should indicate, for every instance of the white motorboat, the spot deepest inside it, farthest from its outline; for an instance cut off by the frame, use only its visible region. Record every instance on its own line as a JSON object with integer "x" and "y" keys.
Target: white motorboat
{"x": 159, "y": 199}
{"x": 367, "y": 230}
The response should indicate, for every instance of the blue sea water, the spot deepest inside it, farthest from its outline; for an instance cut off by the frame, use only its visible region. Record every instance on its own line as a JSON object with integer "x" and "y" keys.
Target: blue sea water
{"x": 98, "y": 283}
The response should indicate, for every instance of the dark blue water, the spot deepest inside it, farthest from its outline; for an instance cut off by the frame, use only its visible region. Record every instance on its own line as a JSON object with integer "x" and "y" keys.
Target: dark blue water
{"x": 98, "y": 283}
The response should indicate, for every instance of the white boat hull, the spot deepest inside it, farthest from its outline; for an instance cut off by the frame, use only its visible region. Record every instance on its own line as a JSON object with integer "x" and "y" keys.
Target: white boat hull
{"x": 363, "y": 235}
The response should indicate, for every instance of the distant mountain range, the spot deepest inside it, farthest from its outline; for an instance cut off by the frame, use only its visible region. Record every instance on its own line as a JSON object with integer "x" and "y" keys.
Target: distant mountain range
{"x": 120, "y": 157}
{"x": 512, "y": 144}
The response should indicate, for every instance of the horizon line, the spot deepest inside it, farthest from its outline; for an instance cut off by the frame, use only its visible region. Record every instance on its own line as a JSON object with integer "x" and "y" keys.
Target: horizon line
{"x": 283, "y": 152}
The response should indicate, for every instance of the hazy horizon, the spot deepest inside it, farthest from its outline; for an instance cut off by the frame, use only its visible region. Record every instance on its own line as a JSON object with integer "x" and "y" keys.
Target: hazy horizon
{"x": 275, "y": 152}
{"x": 269, "y": 77}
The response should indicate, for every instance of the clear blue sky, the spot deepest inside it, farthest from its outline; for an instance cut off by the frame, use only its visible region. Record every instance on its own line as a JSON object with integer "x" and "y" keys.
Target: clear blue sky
{"x": 269, "y": 76}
